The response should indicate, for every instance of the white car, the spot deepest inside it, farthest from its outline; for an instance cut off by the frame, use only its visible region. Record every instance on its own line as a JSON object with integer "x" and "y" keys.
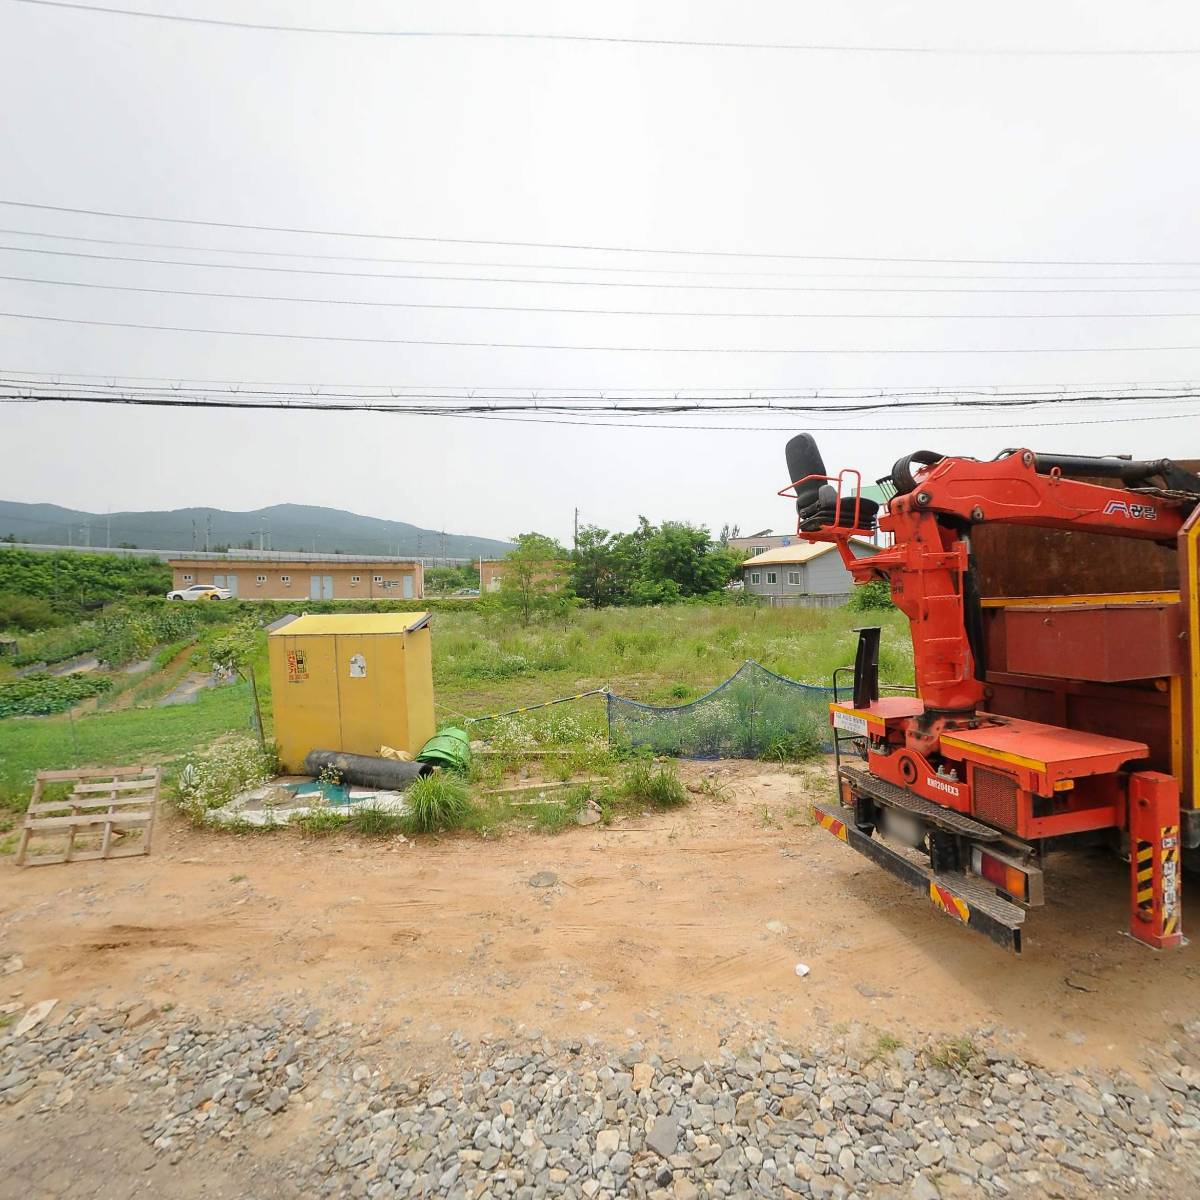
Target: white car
{"x": 201, "y": 591}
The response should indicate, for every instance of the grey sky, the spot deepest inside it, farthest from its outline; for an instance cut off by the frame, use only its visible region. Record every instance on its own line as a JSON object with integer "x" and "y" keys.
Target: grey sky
{"x": 956, "y": 157}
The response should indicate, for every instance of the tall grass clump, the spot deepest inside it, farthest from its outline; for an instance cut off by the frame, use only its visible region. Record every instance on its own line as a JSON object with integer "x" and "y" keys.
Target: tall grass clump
{"x": 436, "y": 803}
{"x": 659, "y": 787}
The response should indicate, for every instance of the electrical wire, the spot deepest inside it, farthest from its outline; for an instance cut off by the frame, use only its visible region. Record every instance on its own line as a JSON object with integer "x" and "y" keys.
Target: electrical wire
{"x": 606, "y": 283}
{"x": 628, "y": 405}
{"x": 526, "y": 266}
{"x": 686, "y": 43}
{"x": 599, "y": 312}
{"x": 1144, "y": 389}
{"x": 459, "y": 241}
{"x": 734, "y": 350}
{"x": 261, "y": 405}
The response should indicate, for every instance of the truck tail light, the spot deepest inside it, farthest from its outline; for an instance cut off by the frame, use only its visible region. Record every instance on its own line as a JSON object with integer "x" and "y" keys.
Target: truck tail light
{"x": 1022, "y": 883}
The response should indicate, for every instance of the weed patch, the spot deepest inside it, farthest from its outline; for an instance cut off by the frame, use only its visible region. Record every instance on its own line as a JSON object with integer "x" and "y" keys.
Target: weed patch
{"x": 319, "y": 823}
{"x": 659, "y": 787}
{"x": 376, "y": 822}
{"x": 214, "y": 777}
{"x": 954, "y": 1055}
{"x": 435, "y": 803}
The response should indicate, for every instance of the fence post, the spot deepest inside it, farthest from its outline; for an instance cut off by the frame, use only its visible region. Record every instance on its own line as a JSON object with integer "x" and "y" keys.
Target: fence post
{"x": 753, "y": 745}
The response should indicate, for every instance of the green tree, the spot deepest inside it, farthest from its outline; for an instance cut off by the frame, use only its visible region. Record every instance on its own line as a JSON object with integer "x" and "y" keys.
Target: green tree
{"x": 602, "y": 569}
{"x": 684, "y": 554}
{"x": 535, "y": 579}
{"x": 232, "y": 652}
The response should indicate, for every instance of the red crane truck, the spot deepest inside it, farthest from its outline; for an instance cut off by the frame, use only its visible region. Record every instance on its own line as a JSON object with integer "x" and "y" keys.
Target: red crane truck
{"x": 1054, "y": 606}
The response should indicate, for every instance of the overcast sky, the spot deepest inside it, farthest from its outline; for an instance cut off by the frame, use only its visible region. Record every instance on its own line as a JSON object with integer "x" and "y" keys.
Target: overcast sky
{"x": 866, "y": 155}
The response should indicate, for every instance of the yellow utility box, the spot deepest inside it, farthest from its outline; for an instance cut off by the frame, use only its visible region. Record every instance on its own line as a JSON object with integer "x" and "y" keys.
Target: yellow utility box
{"x": 351, "y": 682}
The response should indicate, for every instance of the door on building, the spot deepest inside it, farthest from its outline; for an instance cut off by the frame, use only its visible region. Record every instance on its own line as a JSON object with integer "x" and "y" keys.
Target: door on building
{"x": 226, "y": 581}
{"x": 320, "y": 587}
{"x": 408, "y": 587}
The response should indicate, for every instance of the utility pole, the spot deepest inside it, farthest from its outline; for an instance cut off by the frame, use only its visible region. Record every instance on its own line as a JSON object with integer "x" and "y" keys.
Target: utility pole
{"x": 193, "y": 533}
{"x": 207, "y": 532}
{"x": 575, "y": 542}
{"x": 108, "y": 530}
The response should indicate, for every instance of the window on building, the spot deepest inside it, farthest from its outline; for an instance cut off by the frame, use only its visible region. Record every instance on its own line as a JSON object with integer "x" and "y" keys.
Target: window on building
{"x": 378, "y": 578}
{"x": 356, "y": 579}
{"x": 772, "y": 577}
{"x": 261, "y": 578}
{"x": 794, "y": 578}
{"x": 756, "y": 577}
{"x": 757, "y": 549}
{"x": 188, "y": 578}
{"x": 286, "y": 579}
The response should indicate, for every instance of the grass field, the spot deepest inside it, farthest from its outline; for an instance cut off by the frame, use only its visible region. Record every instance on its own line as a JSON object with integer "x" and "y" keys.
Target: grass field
{"x": 484, "y": 664}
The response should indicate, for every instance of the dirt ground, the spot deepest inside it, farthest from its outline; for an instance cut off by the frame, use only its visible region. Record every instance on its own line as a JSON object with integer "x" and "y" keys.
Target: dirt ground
{"x": 681, "y": 928}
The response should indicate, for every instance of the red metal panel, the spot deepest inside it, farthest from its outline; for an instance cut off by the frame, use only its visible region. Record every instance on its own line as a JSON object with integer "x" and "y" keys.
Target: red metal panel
{"x": 1108, "y": 643}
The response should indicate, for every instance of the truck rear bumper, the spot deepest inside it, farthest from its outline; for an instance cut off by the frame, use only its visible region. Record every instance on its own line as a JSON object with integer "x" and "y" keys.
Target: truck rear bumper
{"x": 967, "y": 900}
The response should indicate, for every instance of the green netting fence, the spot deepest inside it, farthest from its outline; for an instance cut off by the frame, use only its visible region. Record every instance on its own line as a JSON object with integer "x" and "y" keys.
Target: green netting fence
{"x": 753, "y": 714}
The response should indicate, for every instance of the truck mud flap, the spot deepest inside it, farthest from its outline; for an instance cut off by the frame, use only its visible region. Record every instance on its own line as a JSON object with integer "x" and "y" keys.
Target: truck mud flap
{"x": 967, "y": 900}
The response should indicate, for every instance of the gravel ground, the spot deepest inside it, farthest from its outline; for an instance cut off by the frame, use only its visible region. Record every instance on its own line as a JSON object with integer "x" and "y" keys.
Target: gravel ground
{"x": 317, "y": 1106}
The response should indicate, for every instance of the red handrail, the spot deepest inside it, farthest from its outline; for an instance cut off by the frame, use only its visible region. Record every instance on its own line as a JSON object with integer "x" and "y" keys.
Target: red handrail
{"x": 838, "y": 479}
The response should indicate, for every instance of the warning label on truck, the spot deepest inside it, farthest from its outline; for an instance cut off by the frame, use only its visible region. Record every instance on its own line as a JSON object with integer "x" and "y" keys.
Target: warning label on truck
{"x": 850, "y": 722}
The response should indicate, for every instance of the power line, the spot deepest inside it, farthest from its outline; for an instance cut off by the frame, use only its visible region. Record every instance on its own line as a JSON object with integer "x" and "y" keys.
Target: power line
{"x": 383, "y": 341}
{"x": 606, "y": 283}
{"x": 526, "y": 266}
{"x": 601, "y": 312}
{"x": 628, "y": 405}
{"x": 481, "y": 414}
{"x": 605, "y": 249}
{"x": 1146, "y": 389}
{"x": 685, "y": 43}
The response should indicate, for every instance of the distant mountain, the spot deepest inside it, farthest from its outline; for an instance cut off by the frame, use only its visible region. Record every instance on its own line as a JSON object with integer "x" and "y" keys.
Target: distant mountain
{"x": 280, "y": 527}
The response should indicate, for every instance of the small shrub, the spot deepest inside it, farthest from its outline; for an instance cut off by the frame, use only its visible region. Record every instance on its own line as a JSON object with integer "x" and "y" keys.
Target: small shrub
{"x": 659, "y": 787}
{"x": 27, "y": 613}
{"x": 375, "y": 822}
{"x": 875, "y": 596}
{"x": 436, "y": 803}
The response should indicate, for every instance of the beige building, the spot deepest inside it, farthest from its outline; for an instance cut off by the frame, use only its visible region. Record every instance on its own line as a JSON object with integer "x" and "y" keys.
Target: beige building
{"x": 283, "y": 575}
{"x": 491, "y": 574}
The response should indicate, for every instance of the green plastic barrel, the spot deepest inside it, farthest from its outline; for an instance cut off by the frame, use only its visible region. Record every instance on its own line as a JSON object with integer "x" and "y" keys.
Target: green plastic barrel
{"x": 449, "y": 748}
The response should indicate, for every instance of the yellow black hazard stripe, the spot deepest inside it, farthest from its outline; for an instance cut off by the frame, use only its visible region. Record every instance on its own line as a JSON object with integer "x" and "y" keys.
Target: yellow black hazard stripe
{"x": 1145, "y": 876}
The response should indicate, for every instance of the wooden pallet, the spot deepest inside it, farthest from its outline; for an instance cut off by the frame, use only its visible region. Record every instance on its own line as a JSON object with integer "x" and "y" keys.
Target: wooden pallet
{"x": 112, "y": 802}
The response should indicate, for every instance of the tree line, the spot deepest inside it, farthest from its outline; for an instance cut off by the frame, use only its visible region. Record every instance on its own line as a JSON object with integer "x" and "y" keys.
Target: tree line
{"x": 39, "y": 590}
{"x": 651, "y": 564}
